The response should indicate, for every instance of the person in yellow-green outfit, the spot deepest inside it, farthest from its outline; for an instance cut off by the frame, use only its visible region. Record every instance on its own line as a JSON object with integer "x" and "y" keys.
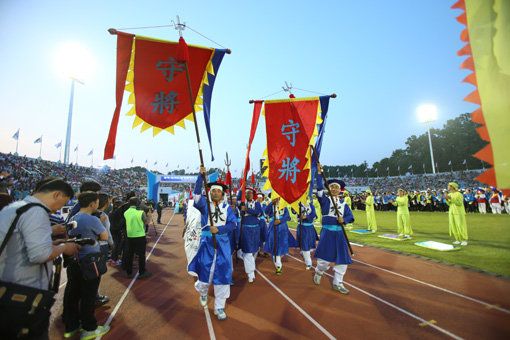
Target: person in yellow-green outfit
{"x": 369, "y": 208}
{"x": 403, "y": 219}
{"x": 347, "y": 200}
{"x": 456, "y": 214}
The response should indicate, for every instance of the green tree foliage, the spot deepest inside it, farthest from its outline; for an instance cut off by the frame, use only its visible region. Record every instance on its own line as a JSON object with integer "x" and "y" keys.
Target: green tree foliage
{"x": 456, "y": 141}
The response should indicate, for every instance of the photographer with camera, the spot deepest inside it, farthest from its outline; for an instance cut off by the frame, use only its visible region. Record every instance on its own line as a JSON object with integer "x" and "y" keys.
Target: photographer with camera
{"x": 26, "y": 248}
{"x": 84, "y": 274}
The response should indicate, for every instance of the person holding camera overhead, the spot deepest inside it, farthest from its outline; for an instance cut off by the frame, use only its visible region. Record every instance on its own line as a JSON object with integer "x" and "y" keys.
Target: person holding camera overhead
{"x": 82, "y": 285}
{"x": 24, "y": 255}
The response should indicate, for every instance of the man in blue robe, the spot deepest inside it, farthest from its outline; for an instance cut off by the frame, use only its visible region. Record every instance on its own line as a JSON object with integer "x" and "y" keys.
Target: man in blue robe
{"x": 210, "y": 264}
{"x": 332, "y": 245}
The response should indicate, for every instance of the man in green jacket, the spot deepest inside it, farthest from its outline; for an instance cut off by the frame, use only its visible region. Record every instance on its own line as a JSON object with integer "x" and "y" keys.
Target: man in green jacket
{"x": 457, "y": 214}
{"x": 136, "y": 241}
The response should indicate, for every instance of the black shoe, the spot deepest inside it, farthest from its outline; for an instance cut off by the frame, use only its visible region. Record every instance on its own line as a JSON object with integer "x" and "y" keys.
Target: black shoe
{"x": 129, "y": 275}
{"x": 101, "y": 300}
{"x": 144, "y": 275}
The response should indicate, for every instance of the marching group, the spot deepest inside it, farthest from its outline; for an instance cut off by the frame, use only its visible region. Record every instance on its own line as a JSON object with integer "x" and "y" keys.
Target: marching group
{"x": 240, "y": 228}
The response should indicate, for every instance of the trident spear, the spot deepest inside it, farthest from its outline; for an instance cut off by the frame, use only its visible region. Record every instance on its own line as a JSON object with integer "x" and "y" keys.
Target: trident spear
{"x": 229, "y": 180}
{"x": 329, "y": 191}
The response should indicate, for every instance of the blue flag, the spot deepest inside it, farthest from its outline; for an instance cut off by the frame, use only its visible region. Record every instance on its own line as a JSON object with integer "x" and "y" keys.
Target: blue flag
{"x": 38, "y": 140}
{"x": 76, "y": 148}
{"x": 324, "y": 102}
{"x": 216, "y": 61}
{"x": 16, "y": 135}
{"x": 58, "y": 145}
{"x": 91, "y": 152}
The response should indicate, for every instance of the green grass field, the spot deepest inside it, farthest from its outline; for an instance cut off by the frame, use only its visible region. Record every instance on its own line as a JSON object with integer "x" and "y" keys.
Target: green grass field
{"x": 489, "y": 238}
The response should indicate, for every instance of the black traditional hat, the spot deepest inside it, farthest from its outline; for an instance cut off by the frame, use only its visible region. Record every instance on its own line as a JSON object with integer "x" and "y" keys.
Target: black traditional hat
{"x": 337, "y": 181}
{"x": 223, "y": 186}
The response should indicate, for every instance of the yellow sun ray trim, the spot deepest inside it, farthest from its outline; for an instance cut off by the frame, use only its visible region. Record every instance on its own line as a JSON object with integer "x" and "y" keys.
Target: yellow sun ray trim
{"x": 145, "y": 126}
{"x": 181, "y": 123}
{"x": 189, "y": 117}
{"x": 265, "y": 153}
{"x": 170, "y": 129}
{"x": 137, "y": 121}
{"x": 156, "y": 130}
{"x": 130, "y": 87}
{"x": 131, "y": 112}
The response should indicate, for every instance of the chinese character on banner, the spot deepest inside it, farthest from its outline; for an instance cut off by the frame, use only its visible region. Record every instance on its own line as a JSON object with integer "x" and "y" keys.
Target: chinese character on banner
{"x": 289, "y": 169}
{"x": 291, "y": 125}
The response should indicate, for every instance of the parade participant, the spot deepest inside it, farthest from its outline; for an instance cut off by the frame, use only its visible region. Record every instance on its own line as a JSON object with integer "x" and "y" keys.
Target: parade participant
{"x": 403, "y": 219}
{"x": 262, "y": 224}
{"x": 480, "y": 199}
{"x": 495, "y": 201}
{"x": 210, "y": 264}
{"x": 278, "y": 230}
{"x": 306, "y": 234}
{"x": 234, "y": 234}
{"x": 369, "y": 208}
{"x": 332, "y": 245}
{"x": 457, "y": 215}
{"x": 348, "y": 201}
{"x": 250, "y": 232}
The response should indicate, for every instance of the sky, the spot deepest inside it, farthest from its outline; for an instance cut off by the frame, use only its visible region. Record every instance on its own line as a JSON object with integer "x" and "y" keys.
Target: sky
{"x": 382, "y": 58}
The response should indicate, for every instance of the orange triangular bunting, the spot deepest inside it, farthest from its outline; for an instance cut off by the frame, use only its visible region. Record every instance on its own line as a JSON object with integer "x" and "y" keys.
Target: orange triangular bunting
{"x": 488, "y": 177}
{"x": 464, "y": 35}
{"x": 466, "y": 50}
{"x": 468, "y": 64}
{"x": 477, "y": 116}
{"x": 484, "y": 133}
{"x": 462, "y": 18}
{"x": 485, "y": 154}
{"x": 459, "y": 5}
{"x": 473, "y": 97}
{"x": 471, "y": 79}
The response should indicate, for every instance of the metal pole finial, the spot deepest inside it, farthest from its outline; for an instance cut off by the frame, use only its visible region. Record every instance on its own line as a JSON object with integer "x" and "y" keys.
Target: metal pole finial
{"x": 287, "y": 87}
{"x": 179, "y": 27}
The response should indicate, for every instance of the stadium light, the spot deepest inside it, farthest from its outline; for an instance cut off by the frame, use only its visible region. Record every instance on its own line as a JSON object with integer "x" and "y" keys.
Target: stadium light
{"x": 73, "y": 61}
{"x": 427, "y": 113}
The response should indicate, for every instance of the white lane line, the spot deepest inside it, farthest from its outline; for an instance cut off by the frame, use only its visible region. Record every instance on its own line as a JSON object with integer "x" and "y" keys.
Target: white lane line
{"x": 444, "y": 331}
{"x": 353, "y": 243}
{"x": 436, "y": 287}
{"x": 312, "y": 320}
{"x": 209, "y": 324}
{"x": 110, "y": 318}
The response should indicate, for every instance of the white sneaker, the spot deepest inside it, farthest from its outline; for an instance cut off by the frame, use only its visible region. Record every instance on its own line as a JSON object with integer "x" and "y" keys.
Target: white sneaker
{"x": 221, "y": 314}
{"x": 456, "y": 242}
{"x": 464, "y": 243}
{"x": 251, "y": 279}
{"x": 340, "y": 288}
{"x": 308, "y": 267}
{"x": 203, "y": 300}
{"x": 317, "y": 279}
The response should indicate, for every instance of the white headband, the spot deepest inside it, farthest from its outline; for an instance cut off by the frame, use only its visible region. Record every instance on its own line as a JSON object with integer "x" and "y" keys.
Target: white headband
{"x": 219, "y": 187}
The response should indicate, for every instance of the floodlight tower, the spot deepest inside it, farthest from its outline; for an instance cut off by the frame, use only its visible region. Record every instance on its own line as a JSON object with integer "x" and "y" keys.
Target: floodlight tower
{"x": 427, "y": 113}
